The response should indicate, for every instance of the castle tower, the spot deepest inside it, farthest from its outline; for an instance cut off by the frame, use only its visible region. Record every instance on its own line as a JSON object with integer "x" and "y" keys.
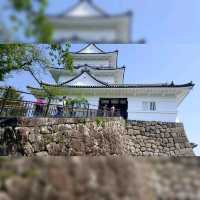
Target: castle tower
{"x": 86, "y": 22}
{"x": 99, "y": 79}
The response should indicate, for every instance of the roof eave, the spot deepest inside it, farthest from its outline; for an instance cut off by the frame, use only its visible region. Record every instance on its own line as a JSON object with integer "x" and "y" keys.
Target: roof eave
{"x": 128, "y": 14}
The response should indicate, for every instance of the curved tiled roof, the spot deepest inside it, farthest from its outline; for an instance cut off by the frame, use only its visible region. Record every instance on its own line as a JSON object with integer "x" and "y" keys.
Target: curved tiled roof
{"x": 74, "y": 78}
{"x": 159, "y": 85}
{"x": 91, "y": 5}
{"x": 99, "y": 12}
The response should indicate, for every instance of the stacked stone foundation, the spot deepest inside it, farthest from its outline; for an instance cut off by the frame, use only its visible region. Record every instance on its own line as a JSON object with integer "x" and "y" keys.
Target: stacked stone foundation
{"x": 93, "y": 137}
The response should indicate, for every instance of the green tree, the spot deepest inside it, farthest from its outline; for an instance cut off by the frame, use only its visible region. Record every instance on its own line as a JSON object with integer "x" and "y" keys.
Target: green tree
{"x": 10, "y": 93}
{"x": 27, "y": 17}
{"x": 11, "y": 102}
{"x": 24, "y": 56}
{"x": 19, "y": 57}
{"x": 61, "y": 56}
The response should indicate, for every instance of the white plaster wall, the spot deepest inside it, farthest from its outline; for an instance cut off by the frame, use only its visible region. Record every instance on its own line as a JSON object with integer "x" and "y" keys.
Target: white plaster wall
{"x": 153, "y": 116}
{"x": 166, "y": 109}
{"x": 95, "y": 63}
{"x": 87, "y": 34}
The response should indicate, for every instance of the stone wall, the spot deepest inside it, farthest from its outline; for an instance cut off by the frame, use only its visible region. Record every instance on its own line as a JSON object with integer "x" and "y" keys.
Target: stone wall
{"x": 157, "y": 139}
{"x": 78, "y": 137}
{"x": 81, "y": 178}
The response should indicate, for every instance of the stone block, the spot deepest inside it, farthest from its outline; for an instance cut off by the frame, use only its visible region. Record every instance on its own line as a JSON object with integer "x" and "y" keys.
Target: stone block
{"x": 44, "y": 130}
{"x": 4, "y": 196}
{"x": 157, "y": 131}
{"x": 42, "y": 154}
{"x": 23, "y": 133}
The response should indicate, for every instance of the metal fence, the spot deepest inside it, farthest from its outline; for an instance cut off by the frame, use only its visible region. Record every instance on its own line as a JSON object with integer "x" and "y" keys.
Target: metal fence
{"x": 19, "y": 108}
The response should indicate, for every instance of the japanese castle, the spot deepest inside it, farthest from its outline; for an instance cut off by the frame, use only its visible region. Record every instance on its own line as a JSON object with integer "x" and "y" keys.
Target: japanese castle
{"x": 98, "y": 77}
{"x": 86, "y": 22}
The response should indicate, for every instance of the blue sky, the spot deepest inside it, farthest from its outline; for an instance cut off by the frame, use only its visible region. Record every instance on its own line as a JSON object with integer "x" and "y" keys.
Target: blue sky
{"x": 158, "y": 21}
{"x": 171, "y": 21}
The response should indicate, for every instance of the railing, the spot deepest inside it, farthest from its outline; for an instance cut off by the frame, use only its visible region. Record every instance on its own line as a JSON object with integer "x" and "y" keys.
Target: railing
{"x": 18, "y": 108}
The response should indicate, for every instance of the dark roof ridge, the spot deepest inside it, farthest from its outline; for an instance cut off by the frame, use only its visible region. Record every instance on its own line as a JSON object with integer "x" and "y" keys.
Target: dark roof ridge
{"x": 89, "y": 66}
{"x": 99, "y": 67}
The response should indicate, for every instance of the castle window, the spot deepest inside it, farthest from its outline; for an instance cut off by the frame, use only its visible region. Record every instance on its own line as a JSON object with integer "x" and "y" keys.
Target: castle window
{"x": 149, "y": 106}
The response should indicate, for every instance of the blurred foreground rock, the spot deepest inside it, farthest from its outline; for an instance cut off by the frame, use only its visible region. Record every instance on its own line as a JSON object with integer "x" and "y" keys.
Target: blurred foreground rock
{"x": 102, "y": 178}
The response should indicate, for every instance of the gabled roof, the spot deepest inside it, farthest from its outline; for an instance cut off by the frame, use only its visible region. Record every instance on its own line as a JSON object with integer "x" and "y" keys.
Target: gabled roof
{"x": 85, "y": 8}
{"x": 57, "y": 72}
{"x": 99, "y": 83}
{"x": 92, "y": 49}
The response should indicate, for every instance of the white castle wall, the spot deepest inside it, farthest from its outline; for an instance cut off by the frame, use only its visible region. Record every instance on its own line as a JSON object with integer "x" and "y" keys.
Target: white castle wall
{"x": 86, "y": 34}
{"x": 166, "y": 108}
{"x": 94, "y": 63}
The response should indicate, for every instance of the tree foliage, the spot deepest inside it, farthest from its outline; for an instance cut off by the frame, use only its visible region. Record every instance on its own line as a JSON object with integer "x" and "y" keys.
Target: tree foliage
{"x": 17, "y": 57}
{"x": 28, "y": 17}
{"x": 10, "y": 93}
{"x": 10, "y": 102}
{"x": 61, "y": 56}
{"x": 23, "y": 56}
{"x": 77, "y": 102}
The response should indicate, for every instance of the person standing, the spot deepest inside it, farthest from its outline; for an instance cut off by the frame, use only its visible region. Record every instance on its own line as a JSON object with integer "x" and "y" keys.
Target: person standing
{"x": 112, "y": 111}
{"x": 59, "y": 108}
{"x": 39, "y": 106}
{"x": 105, "y": 108}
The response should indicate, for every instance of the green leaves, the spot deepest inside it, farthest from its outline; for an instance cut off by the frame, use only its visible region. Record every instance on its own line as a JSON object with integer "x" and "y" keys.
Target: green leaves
{"x": 15, "y": 57}
{"x": 61, "y": 56}
{"x": 11, "y": 93}
{"x": 29, "y": 17}
{"x": 77, "y": 101}
{"x": 22, "y": 5}
{"x": 9, "y": 58}
{"x": 21, "y": 56}
{"x": 42, "y": 29}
